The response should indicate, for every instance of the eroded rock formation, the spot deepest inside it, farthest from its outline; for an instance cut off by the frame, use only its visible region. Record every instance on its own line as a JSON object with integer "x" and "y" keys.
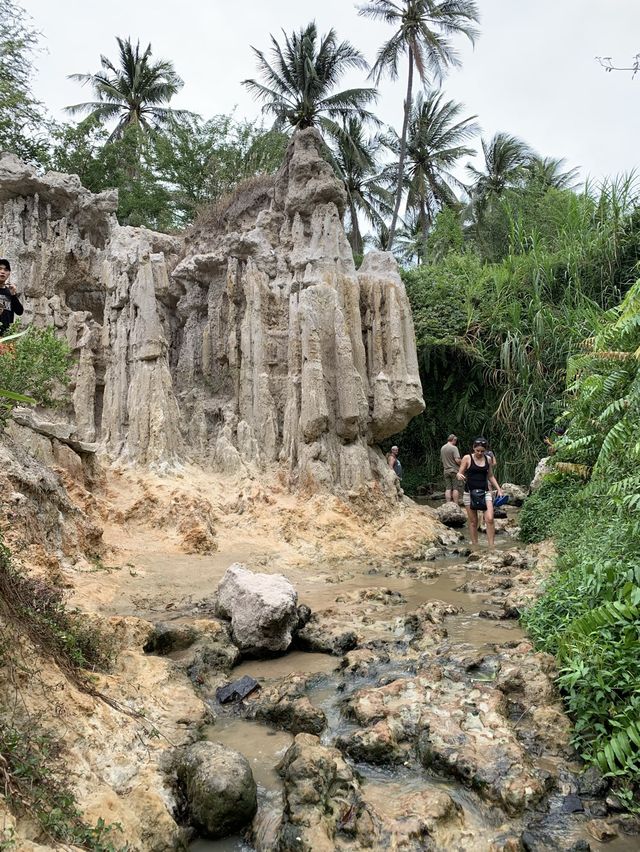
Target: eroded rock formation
{"x": 252, "y": 340}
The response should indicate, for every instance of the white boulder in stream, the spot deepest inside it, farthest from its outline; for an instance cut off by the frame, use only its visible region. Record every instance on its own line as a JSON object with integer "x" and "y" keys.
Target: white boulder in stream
{"x": 262, "y": 609}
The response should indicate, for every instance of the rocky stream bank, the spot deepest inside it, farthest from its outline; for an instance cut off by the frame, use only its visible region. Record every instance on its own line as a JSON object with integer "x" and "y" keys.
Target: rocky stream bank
{"x": 411, "y": 713}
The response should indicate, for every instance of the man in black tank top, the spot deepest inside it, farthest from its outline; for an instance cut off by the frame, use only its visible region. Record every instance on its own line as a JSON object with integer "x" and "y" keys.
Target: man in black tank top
{"x": 477, "y": 474}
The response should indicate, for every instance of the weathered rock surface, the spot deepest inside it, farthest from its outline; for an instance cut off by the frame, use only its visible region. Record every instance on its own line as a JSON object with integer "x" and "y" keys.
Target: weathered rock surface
{"x": 542, "y": 469}
{"x": 451, "y": 515}
{"x": 250, "y": 341}
{"x": 262, "y": 609}
{"x": 219, "y": 789}
{"x": 462, "y": 731}
{"x": 517, "y": 494}
{"x": 285, "y": 705}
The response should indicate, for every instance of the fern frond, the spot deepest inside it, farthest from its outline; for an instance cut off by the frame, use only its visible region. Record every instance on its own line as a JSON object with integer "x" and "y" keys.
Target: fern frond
{"x": 622, "y": 751}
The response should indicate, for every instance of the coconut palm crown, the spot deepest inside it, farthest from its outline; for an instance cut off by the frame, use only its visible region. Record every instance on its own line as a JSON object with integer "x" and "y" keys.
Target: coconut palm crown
{"x": 423, "y": 33}
{"x": 435, "y": 143}
{"x": 300, "y": 81}
{"x": 134, "y": 93}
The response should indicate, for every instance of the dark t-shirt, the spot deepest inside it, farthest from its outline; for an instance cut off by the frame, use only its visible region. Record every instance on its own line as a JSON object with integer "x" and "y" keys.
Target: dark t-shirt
{"x": 9, "y": 305}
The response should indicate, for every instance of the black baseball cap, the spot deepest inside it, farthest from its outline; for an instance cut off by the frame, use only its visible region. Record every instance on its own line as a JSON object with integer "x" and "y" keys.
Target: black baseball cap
{"x": 4, "y": 262}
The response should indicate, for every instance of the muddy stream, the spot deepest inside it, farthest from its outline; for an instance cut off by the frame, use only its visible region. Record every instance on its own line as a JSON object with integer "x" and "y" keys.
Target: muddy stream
{"x": 468, "y": 646}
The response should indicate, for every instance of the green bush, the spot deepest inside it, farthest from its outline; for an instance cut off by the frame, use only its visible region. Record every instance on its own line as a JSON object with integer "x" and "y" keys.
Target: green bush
{"x": 36, "y": 364}
{"x": 589, "y": 614}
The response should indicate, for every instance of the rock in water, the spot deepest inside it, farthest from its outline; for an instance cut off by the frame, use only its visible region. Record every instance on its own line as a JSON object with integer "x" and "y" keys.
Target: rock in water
{"x": 517, "y": 494}
{"x": 451, "y": 515}
{"x": 262, "y": 609}
{"x": 218, "y": 785}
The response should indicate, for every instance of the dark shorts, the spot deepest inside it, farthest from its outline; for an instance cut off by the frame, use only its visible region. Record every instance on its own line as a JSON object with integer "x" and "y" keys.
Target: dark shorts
{"x": 452, "y": 483}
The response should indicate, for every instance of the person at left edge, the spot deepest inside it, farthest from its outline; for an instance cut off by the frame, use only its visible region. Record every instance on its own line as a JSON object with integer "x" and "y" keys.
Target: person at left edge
{"x": 10, "y": 304}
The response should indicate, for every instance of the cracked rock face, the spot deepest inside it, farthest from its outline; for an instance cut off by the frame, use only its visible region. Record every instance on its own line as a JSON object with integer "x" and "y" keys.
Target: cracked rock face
{"x": 250, "y": 341}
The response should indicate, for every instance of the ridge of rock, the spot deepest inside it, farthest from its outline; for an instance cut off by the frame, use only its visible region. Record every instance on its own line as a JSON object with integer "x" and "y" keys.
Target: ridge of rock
{"x": 250, "y": 341}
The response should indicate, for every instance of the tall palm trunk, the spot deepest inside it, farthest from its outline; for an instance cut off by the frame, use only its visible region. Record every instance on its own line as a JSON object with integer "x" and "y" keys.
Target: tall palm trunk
{"x": 355, "y": 236}
{"x": 403, "y": 150}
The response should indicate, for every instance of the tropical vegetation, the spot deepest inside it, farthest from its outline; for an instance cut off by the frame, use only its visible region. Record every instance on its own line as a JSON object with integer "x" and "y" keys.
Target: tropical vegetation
{"x": 589, "y": 615}
{"x": 423, "y": 31}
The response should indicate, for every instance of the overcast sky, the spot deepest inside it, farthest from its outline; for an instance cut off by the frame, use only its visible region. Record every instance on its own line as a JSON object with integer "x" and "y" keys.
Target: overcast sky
{"x": 532, "y": 72}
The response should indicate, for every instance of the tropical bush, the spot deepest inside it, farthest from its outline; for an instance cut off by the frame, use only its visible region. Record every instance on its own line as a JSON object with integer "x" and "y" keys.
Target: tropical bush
{"x": 589, "y": 615}
{"x": 494, "y": 336}
{"x": 34, "y": 367}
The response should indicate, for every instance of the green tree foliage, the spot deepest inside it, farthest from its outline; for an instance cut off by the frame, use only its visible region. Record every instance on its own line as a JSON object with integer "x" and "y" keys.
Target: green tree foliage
{"x": 423, "y": 31}
{"x": 34, "y": 363}
{"x": 590, "y": 613}
{"x": 355, "y": 157}
{"x": 494, "y": 336}
{"x": 23, "y": 124}
{"x": 299, "y": 88}
{"x": 133, "y": 93}
{"x": 201, "y": 161}
{"x": 436, "y": 139}
{"x": 163, "y": 180}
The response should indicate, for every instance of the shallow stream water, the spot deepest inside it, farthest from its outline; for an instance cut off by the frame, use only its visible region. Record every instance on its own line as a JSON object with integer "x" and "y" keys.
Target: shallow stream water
{"x": 264, "y": 747}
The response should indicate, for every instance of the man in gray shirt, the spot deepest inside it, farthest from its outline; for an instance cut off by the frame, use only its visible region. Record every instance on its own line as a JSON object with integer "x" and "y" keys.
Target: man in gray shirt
{"x": 450, "y": 456}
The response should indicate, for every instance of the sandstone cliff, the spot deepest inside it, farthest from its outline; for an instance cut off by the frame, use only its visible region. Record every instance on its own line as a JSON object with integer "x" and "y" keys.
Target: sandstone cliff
{"x": 252, "y": 341}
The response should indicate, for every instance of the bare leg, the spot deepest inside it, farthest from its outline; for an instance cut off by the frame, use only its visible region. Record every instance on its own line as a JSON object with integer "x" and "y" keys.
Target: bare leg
{"x": 491, "y": 527}
{"x": 447, "y": 495}
{"x": 472, "y": 515}
{"x": 454, "y": 496}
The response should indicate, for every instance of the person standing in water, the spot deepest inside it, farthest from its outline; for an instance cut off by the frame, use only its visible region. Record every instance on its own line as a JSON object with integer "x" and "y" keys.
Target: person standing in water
{"x": 450, "y": 458}
{"x": 477, "y": 474}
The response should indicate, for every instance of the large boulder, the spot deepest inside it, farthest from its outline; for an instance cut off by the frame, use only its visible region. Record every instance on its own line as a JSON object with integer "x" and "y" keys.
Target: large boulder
{"x": 542, "y": 469}
{"x": 451, "y": 515}
{"x": 262, "y": 609}
{"x": 517, "y": 494}
{"x": 219, "y": 788}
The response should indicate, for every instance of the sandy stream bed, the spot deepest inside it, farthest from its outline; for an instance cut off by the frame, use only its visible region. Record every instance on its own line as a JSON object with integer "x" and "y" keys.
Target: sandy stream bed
{"x": 168, "y": 541}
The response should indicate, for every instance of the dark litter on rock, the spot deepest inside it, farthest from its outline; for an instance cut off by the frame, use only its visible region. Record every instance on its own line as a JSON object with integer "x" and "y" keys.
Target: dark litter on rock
{"x": 237, "y": 690}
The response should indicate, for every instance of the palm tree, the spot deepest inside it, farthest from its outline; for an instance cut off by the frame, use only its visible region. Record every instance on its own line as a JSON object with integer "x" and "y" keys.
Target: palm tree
{"x": 300, "y": 82}
{"x": 355, "y": 159}
{"x": 548, "y": 173}
{"x": 135, "y": 93}
{"x": 505, "y": 160}
{"x": 435, "y": 142}
{"x": 424, "y": 30}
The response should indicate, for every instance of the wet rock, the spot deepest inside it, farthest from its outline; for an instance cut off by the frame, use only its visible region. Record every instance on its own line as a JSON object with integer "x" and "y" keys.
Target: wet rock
{"x": 451, "y": 515}
{"x": 363, "y": 662}
{"x": 449, "y": 538}
{"x": 517, "y": 494}
{"x": 323, "y": 802}
{"x": 285, "y": 705}
{"x": 506, "y": 562}
{"x": 262, "y": 609}
{"x": 167, "y": 638}
{"x": 218, "y": 787}
{"x": 455, "y": 729}
{"x": 601, "y": 830}
{"x": 203, "y": 647}
{"x": 424, "y": 820}
{"x": 592, "y": 782}
{"x": 326, "y": 635}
